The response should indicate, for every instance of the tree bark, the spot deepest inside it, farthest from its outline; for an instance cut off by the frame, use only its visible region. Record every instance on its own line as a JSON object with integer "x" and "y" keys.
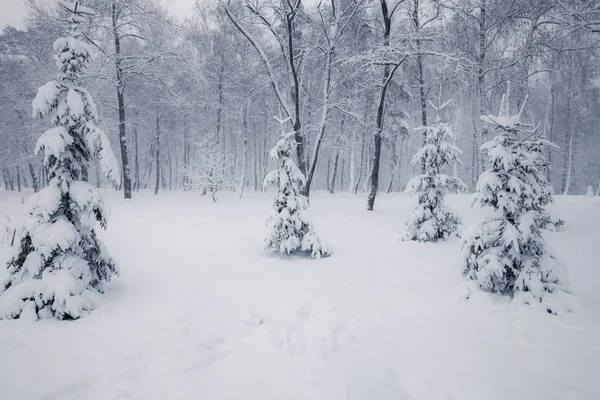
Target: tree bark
{"x": 18, "y": 178}
{"x": 157, "y": 155}
{"x": 323, "y": 124}
{"x": 387, "y": 75}
{"x": 136, "y": 184}
{"x": 34, "y": 181}
{"x": 335, "y": 169}
{"x": 245, "y": 147}
{"x": 393, "y": 163}
{"x": 121, "y": 106}
{"x": 420, "y": 78}
{"x": 361, "y": 164}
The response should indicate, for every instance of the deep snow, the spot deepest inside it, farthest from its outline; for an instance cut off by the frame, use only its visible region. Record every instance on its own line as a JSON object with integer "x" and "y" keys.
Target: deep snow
{"x": 201, "y": 311}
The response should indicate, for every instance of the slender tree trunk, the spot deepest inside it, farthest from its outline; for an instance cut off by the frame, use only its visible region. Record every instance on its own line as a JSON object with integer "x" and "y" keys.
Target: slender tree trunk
{"x": 335, "y": 168}
{"x": 295, "y": 94}
{"x": 157, "y": 153}
{"x": 323, "y": 124}
{"x": 121, "y": 106}
{"x": 393, "y": 162}
{"x": 43, "y": 181}
{"x": 245, "y": 147}
{"x": 420, "y": 78}
{"x": 9, "y": 179}
{"x": 136, "y": 184}
{"x": 387, "y": 75}
{"x": 568, "y": 168}
{"x": 328, "y": 183}
{"x": 550, "y": 129}
{"x": 342, "y": 169}
{"x": 482, "y": 130}
{"x": 361, "y": 164}
{"x": 170, "y": 160}
{"x": 220, "y": 102}
{"x": 256, "y": 156}
{"x": 186, "y": 151}
{"x": 162, "y": 176}
{"x": 352, "y": 162}
{"x": 18, "y": 178}
{"x": 34, "y": 181}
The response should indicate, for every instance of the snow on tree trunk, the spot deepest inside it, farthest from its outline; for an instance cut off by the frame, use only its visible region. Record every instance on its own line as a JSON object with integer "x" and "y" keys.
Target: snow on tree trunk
{"x": 290, "y": 229}
{"x": 431, "y": 220}
{"x": 60, "y": 266}
{"x": 507, "y": 254}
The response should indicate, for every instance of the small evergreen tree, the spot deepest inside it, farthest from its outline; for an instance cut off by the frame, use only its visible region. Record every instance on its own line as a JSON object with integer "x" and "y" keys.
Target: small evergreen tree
{"x": 290, "y": 229}
{"x": 431, "y": 220}
{"x": 507, "y": 254}
{"x": 61, "y": 266}
{"x": 209, "y": 170}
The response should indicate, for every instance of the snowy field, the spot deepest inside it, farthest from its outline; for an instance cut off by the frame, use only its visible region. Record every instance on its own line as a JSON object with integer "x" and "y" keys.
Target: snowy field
{"x": 202, "y": 312}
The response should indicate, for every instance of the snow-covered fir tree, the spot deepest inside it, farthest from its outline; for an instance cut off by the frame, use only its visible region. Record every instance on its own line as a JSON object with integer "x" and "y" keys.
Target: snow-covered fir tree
{"x": 431, "y": 220}
{"x": 60, "y": 265}
{"x": 290, "y": 228}
{"x": 507, "y": 254}
{"x": 209, "y": 171}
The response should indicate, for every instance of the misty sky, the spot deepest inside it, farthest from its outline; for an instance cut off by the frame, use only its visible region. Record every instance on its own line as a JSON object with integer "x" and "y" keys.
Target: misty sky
{"x": 12, "y": 12}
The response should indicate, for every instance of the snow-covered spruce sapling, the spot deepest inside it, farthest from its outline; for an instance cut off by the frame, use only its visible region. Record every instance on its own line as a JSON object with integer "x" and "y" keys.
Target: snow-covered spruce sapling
{"x": 60, "y": 265}
{"x": 431, "y": 220}
{"x": 290, "y": 229}
{"x": 507, "y": 254}
{"x": 210, "y": 168}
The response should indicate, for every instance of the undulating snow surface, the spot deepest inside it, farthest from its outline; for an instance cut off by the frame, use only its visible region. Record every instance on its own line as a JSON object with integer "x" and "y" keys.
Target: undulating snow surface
{"x": 201, "y": 311}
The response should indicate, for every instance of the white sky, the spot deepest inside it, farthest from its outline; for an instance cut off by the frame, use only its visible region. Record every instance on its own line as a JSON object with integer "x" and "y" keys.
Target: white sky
{"x": 12, "y": 12}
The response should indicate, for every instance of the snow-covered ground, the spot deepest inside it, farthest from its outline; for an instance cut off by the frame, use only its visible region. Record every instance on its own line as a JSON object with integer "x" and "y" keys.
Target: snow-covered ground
{"x": 202, "y": 312}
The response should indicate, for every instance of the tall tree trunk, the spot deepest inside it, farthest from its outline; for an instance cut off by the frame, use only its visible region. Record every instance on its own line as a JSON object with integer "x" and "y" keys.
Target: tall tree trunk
{"x": 186, "y": 151}
{"x": 568, "y": 167}
{"x": 420, "y": 78}
{"x": 361, "y": 164}
{"x": 387, "y": 76}
{"x": 323, "y": 124}
{"x": 550, "y": 128}
{"x": 136, "y": 184}
{"x": 245, "y": 148}
{"x": 342, "y": 169}
{"x": 393, "y": 163}
{"x": 256, "y": 163}
{"x": 335, "y": 169}
{"x": 8, "y": 184}
{"x": 220, "y": 103}
{"x": 43, "y": 181}
{"x": 295, "y": 94}
{"x": 157, "y": 153}
{"x": 328, "y": 183}
{"x": 482, "y": 130}
{"x": 18, "y": 178}
{"x": 34, "y": 181}
{"x": 170, "y": 160}
{"x": 121, "y": 106}
{"x": 352, "y": 161}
